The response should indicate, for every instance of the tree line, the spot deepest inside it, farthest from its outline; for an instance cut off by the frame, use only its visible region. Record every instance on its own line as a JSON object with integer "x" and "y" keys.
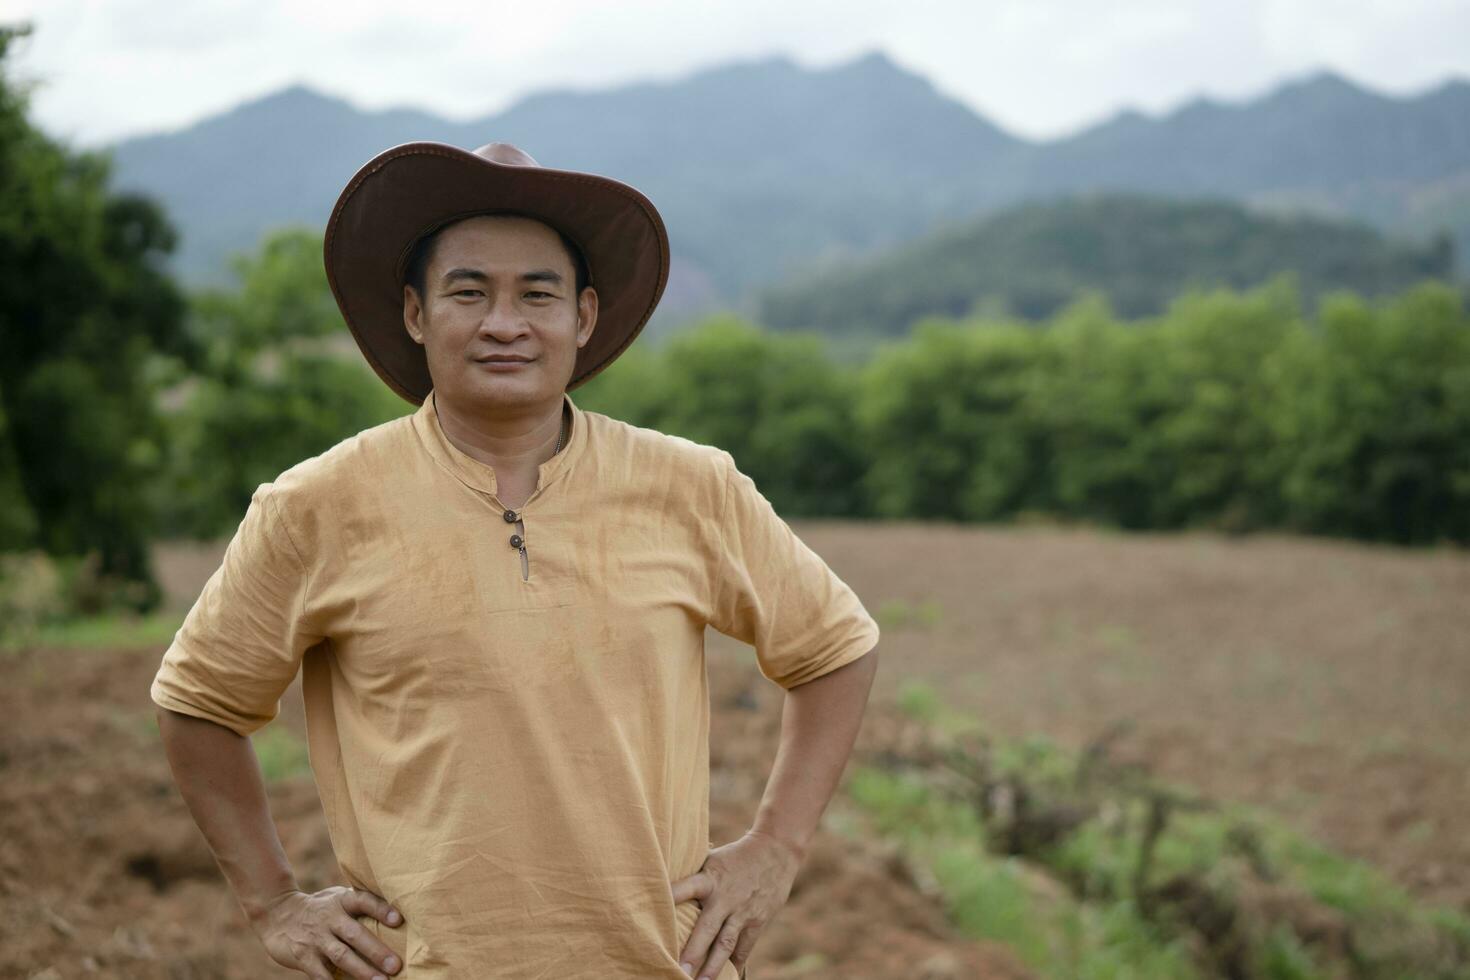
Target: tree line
{"x": 1232, "y": 410}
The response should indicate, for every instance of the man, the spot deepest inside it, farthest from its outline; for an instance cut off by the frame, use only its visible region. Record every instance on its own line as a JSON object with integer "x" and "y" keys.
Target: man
{"x": 497, "y": 604}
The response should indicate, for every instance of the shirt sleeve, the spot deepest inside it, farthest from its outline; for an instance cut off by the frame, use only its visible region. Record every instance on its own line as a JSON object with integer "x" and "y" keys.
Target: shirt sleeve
{"x": 773, "y": 592}
{"x": 242, "y": 641}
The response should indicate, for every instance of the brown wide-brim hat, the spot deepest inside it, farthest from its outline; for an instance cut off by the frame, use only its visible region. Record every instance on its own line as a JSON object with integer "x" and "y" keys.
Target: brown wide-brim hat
{"x": 410, "y": 190}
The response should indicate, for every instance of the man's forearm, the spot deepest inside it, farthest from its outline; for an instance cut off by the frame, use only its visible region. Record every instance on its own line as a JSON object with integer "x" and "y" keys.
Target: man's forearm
{"x": 819, "y": 725}
{"x": 219, "y": 777}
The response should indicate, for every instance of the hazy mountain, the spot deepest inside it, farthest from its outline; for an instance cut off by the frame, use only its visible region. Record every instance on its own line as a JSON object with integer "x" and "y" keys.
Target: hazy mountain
{"x": 1320, "y": 143}
{"x": 1320, "y": 131}
{"x": 754, "y": 165}
{"x": 761, "y": 166}
{"x": 1139, "y": 251}
{"x": 277, "y": 160}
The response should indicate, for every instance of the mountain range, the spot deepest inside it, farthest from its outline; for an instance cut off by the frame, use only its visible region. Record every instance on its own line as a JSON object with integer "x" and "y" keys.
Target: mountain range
{"x": 764, "y": 167}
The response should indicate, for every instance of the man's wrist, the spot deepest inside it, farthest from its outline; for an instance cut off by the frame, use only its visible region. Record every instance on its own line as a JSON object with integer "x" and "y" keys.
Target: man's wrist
{"x": 795, "y": 845}
{"x": 257, "y": 906}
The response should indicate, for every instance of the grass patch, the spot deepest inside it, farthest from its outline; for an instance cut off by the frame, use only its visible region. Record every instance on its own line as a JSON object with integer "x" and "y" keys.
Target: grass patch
{"x": 1092, "y": 871}
{"x": 96, "y": 633}
{"x": 921, "y": 702}
{"x": 1117, "y": 638}
{"x": 282, "y": 755}
{"x": 1004, "y": 899}
{"x": 902, "y": 614}
{"x": 140, "y": 726}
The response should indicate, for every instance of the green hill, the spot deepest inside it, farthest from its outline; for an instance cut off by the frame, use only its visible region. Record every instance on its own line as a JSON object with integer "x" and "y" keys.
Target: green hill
{"x": 1137, "y": 250}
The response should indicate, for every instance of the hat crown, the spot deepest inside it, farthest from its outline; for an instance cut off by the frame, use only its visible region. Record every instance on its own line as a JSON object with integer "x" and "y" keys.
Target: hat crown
{"x": 506, "y": 153}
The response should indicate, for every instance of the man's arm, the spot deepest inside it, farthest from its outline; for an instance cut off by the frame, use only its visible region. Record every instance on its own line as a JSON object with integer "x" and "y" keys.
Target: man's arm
{"x": 772, "y": 591}
{"x": 819, "y": 725}
{"x": 219, "y": 777}
{"x": 743, "y": 884}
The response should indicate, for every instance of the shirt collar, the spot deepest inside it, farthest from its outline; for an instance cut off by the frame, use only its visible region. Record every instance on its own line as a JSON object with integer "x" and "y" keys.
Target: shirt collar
{"x": 479, "y": 475}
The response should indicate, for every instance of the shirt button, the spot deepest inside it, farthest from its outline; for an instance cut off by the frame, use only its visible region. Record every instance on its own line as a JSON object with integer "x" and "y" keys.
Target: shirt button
{"x": 516, "y": 541}
{"x": 510, "y": 517}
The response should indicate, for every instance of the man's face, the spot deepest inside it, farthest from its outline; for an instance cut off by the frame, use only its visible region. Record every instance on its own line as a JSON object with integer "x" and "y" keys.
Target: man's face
{"x": 500, "y": 320}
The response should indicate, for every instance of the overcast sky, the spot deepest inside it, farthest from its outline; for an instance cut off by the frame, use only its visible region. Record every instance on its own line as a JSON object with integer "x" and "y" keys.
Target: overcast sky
{"x": 1040, "y": 68}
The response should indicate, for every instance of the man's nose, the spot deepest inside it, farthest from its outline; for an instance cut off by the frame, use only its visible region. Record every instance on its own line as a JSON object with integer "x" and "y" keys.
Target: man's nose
{"x": 502, "y": 320}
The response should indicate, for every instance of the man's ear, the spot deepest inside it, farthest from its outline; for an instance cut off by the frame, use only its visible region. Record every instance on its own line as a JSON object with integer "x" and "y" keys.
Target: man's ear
{"x": 413, "y": 314}
{"x": 586, "y": 316}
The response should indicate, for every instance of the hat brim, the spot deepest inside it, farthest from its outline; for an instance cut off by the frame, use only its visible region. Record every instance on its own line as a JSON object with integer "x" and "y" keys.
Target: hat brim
{"x": 412, "y": 188}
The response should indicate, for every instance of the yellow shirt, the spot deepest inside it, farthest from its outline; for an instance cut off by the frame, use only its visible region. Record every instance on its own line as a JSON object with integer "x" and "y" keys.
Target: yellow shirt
{"x": 511, "y": 744}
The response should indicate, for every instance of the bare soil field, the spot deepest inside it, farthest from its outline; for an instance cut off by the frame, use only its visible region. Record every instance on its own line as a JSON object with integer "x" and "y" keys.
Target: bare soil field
{"x": 1327, "y": 681}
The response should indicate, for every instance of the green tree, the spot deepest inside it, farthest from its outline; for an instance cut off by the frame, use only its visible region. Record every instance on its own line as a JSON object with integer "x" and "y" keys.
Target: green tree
{"x": 946, "y": 420}
{"x": 274, "y": 380}
{"x": 1206, "y": 371}
{"x": 1095, "y": 403}
{"x": 778, "y": 404}
{"x": 84, "y": 305}
{"x": 633, "y": 388}
{"x": 1371, "y": 415}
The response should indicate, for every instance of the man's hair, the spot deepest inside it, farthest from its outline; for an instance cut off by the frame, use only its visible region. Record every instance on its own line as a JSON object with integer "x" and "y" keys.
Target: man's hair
{"x": 417, "y": 266}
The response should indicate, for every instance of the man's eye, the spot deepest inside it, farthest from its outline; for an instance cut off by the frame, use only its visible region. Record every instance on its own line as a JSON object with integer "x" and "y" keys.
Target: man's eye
{"x": 538, "y": 292}
{"x": 468, "y": 292}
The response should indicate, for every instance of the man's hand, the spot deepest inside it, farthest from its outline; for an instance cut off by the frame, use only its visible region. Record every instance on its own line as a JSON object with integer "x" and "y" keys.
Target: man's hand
{"x": 740, "y": 888}
{"x": 318, "y": 933}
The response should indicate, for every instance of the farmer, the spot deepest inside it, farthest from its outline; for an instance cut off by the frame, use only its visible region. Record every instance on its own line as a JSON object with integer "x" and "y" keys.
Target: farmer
{"x": 497, "y": 604}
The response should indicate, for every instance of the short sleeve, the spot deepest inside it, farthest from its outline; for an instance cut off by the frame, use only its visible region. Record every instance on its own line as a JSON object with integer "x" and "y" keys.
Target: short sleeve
{"x": 773, "y": 592}
{"x": 242, "y": 641}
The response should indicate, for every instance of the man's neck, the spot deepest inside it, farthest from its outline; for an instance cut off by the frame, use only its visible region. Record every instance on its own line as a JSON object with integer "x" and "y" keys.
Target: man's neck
{"x": 514, "y": 444}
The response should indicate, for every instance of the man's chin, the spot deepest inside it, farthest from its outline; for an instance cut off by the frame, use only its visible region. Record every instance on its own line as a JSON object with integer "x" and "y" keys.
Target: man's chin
{"x": 509, "y": 389}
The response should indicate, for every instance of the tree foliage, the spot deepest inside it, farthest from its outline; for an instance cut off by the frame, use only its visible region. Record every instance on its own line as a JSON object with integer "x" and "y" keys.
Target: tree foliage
{"x": 83, "y": 306}
{"x": 1231, "y": 410}
{"x": 777, "y": 404}
{"x": 274, "y": 379}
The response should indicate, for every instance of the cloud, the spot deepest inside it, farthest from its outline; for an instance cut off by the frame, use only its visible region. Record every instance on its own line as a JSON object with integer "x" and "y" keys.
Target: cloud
{"x": 110, "y": 68}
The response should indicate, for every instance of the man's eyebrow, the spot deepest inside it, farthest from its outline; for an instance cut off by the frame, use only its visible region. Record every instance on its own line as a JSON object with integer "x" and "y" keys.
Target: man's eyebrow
{"x": 454, "y": 275}
{"x": 535, "y": 275}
